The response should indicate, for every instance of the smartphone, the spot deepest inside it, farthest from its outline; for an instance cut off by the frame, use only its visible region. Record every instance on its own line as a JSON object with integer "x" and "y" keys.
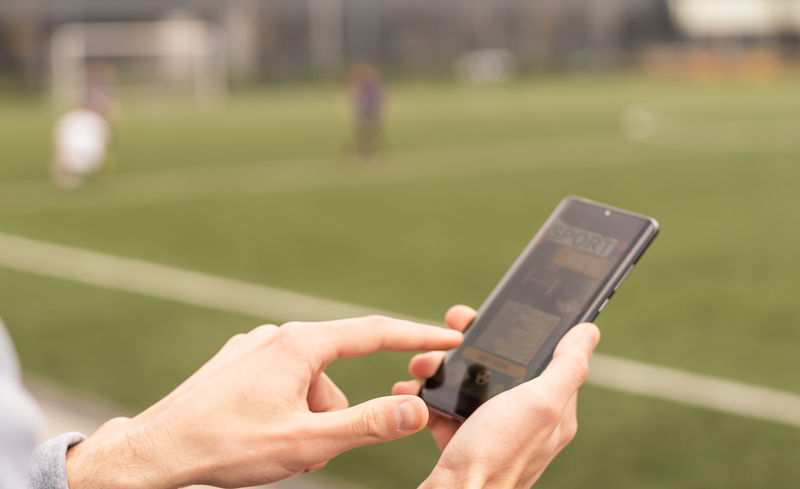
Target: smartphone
{"x": 564, "y": 277}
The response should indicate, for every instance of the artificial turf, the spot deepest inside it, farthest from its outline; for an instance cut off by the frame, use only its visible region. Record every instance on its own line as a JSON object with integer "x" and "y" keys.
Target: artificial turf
{"x": 470, "y": 173}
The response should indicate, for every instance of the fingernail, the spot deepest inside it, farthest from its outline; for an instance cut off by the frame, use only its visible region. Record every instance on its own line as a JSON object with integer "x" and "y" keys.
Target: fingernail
{"x": 408, "y": 416}
{"x": 592, "y": 336}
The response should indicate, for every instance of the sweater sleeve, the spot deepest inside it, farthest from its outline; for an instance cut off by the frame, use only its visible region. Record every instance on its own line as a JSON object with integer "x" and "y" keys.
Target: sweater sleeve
{"x": 47, "y": 469}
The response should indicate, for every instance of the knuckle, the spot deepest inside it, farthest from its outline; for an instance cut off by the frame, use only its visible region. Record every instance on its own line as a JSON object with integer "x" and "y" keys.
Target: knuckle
{"x": 287, "y": 338}
{"x": 580, "y": 372}
{"x": 232, "y": 344}
{"x": 304, "y": 340}
{"x": 262, "y": 333}
{"x": 237, "y": 338}
{"x": 265, "y": 328}
{"x": 292, "y": 327}
{"x": 378, "y": 320}
{"x": 258, "y": 336}
{"x": 368, "y": 424}
{"x": 295, "y": 331}
{"x": 570, "y": 430}
{"x": 549, "y": 412}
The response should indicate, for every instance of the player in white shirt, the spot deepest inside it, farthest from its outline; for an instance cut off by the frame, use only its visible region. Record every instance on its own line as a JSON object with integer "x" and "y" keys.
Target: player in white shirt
{"x": 81, "y": 137}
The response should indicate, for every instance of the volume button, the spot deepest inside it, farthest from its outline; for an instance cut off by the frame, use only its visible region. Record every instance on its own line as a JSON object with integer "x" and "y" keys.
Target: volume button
{"x": 602, "y": 307}
{"x": 624, "y": 277}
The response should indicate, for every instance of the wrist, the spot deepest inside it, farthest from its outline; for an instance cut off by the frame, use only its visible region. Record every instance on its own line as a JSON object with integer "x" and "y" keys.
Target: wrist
{"x": 121, "y": 455}
{"x": 444, "y": 477}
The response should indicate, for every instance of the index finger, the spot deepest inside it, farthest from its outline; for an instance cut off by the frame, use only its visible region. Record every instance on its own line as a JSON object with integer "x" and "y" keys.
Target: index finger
{"x": 570, "y": 365}
{"x": 348, "y": 338}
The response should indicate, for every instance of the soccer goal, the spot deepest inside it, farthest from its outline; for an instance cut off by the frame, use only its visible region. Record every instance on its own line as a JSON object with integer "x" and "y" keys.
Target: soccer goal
{"x": 170, "y": 56}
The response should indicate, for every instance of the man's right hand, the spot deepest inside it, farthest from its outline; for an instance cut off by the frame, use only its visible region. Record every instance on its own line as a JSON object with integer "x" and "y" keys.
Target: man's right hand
{"x": 260, "y": 411}
{"x": 510, "y": 440}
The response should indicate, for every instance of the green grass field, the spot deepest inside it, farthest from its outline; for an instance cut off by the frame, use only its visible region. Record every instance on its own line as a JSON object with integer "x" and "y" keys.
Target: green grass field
{"x": 469, "y": 176}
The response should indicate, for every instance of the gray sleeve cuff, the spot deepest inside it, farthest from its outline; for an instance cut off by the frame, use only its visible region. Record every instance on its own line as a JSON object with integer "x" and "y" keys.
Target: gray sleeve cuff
{"x": 47, "y": 469}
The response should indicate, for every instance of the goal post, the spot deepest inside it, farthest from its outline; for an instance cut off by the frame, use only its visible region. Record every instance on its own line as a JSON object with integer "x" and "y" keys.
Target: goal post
{"x": 170, "y": 54}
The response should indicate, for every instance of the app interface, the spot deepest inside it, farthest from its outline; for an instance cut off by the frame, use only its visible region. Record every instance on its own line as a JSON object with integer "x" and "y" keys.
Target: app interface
{"x": 563, "y": 273}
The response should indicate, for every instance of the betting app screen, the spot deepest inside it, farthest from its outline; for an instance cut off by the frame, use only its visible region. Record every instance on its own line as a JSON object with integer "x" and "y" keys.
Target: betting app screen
{"x": 550, "y": 289}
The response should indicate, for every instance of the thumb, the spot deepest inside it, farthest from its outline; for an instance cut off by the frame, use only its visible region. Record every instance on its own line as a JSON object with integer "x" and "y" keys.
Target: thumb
{"x": 375, "y": 421}
{"x": 570, "y": 365}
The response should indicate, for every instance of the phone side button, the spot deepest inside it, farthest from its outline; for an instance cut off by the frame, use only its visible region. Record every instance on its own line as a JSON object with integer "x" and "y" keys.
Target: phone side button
{"x": 624, "y": 277}
{"x": 602, "y": 307}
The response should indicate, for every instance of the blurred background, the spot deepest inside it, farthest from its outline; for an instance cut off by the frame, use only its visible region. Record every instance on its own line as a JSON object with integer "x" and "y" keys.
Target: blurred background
{"x": 174, "y": 172}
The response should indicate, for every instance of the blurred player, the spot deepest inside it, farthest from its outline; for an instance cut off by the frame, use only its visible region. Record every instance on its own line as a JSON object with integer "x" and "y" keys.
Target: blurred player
{"x": 81, "y": 137}
{"x": 367, "y": 98}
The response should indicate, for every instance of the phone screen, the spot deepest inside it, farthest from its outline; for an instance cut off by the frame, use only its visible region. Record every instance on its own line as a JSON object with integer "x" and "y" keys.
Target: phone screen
{"x": 563, "y": 272}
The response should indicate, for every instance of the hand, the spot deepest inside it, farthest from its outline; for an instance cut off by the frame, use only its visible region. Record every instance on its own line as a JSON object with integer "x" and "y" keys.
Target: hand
{"x": 261, "y": 410}
{"x": 513, "y": 437}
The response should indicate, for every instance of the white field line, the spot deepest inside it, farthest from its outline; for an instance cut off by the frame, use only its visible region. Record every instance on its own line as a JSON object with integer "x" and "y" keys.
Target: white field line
{"x": 303, "y": 174}
{"x": 643, "y": 126}
{"x": 163, "y": 282}
{"x": 696, "y": 390}
{"x": 141, "y": 277}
